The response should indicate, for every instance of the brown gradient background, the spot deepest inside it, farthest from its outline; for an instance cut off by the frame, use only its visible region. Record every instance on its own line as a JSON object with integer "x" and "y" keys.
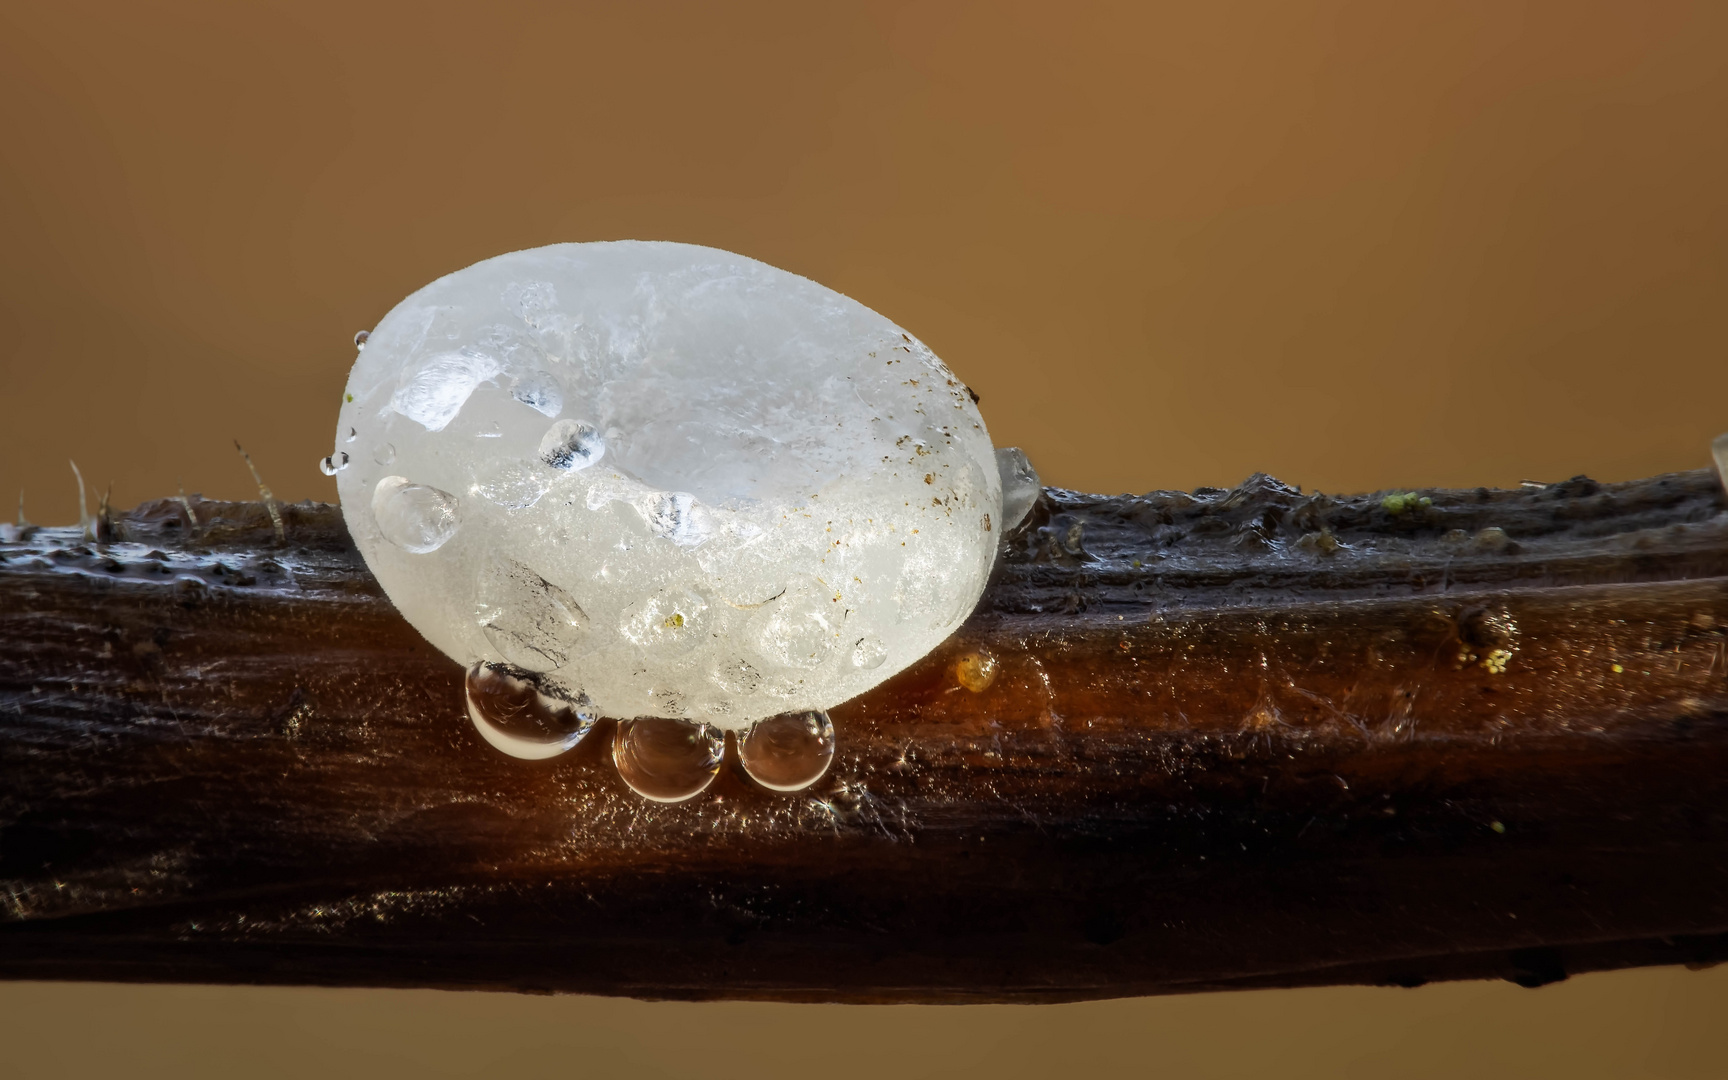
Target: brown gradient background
{"x": 1356, "y": 245}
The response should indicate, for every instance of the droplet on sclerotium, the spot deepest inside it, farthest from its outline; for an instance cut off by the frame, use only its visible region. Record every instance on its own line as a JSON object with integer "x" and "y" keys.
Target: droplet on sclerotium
{"x": 1020, "y": 485}
{"x": 417, "y": 518}
{"x": 571, "y": 444}
{"x": 788, "y": 752}
{"x": 667, "y": 760}
{"x": 516, "y": 714}
{"x": 869, "y": 653}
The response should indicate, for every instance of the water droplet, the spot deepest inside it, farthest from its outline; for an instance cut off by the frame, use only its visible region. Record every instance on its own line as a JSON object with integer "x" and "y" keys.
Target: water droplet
{"x": 360, "y": 340}
{"x": 532, "y": 623}
{"x": 675, "y": 515}
{"x": 571, "y": 445}
{"x": 869, "y": 653}
{"x": 1020, "y": 485}
{"x": 798, "y": 634}
{"x": 788, "y": 752}
{"x": 333, "y": 464}
{"x": 540, "y": 392}
{"x": 442, "y": 384}
{"x": 514, "y": 712}
{"x": 353, "y": 434}
{"x": 514, "y": 487}
{"x": 665, "y": 760}
{"x": 385, "y": 454}
{"x": 415, "y": 517}
{"x": 976, "y": 670}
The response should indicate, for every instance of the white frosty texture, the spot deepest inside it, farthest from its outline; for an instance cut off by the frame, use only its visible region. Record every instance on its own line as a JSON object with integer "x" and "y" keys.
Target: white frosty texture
{"x": 677, "y": 480}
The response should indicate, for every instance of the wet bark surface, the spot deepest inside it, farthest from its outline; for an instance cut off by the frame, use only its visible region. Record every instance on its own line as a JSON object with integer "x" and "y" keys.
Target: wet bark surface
{"x": 1232, "y": 738}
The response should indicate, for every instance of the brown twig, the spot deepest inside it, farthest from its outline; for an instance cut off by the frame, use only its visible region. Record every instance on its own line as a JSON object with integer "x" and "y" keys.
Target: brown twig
{"x": 1187, "y": 741}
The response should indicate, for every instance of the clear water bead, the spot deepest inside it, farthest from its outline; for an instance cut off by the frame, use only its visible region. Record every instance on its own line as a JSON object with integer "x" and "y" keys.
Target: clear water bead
{"x": 517, "y": 715}
{"x": 761, "y": 496}
{"x": 788, "y": 752}
{"x": 571, "y": 444}
{"x": 416, "y": 518}
{"x": 666, "y": 760}
{"x": 334, "y": 463}
{"x": 869, "y": 653}
{"x": 1020, "y": 485}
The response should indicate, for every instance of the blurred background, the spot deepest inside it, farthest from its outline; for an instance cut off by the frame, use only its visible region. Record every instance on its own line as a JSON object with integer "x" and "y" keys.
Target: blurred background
{"x": 1355, "y": 245}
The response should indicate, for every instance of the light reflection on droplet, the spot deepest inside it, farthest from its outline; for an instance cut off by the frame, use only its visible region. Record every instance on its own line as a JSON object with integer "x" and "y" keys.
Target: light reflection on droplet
{"x": 334, "y": 464}
{"x": 360, "y": 339}
{"x": 666, "y": 760}
{"x": 788, "y": 752}
{"x": 511, "y": 711}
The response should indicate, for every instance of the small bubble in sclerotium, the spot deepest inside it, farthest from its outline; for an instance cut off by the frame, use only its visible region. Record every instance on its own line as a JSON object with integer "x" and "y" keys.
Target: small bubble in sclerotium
{"x": 385, "y": 454}
{"x": 788, "y": 752}
{"x": 334, "y": 464}
{"x": 666, "y": 760}
{"x": 512, "y": 711}
{"x": 360, "y": 339}
{"x": 417, "y": 518}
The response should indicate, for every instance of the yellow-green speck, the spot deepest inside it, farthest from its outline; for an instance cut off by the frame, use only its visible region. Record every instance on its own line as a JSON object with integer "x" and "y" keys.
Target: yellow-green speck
{"x": 1497, "y": 826}
{"x": 1398, "y": 502}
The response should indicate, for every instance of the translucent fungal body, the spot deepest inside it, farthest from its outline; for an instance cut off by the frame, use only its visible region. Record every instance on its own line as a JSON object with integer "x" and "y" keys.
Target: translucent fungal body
{"x": 666, "y": 481}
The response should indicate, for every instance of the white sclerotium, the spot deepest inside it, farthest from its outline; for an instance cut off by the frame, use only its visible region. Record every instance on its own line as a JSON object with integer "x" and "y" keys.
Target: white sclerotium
{"x": 675, "y": 480}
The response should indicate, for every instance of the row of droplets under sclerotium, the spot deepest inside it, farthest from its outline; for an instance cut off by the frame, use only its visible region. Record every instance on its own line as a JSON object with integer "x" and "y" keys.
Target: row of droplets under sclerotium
{"x": 662, "y": 759}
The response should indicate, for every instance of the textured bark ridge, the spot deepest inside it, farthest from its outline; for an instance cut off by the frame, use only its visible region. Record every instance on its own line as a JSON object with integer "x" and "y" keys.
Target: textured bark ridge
{"x": 1187, "y": 741}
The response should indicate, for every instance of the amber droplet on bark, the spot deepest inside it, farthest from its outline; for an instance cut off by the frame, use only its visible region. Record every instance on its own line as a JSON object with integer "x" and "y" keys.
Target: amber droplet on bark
{"x": 667, "y": 760}
{"x": 976, "y": 670}
{"x": 788, "y": 752}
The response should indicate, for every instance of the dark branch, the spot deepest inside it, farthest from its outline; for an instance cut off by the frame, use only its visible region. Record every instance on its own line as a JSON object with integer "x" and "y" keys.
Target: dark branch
{"x": 1236, "y": 738}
